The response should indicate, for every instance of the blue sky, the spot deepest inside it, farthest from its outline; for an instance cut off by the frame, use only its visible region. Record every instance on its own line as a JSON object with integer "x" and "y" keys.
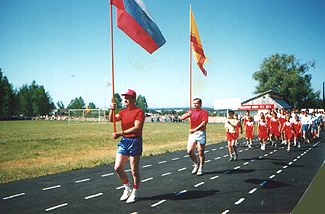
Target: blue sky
{"x": 64, "y": 45}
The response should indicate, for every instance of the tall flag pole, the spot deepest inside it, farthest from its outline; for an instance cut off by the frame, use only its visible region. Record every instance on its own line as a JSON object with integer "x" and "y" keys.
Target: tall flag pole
{"x": 112, "y": 49}
{"x": 190, "y": 59}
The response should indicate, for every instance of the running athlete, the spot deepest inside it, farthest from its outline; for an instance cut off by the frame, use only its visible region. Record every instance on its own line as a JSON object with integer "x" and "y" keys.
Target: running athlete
{"x": 268, "y": 117}
{"x": 231, "y": 136}
{"x": 287, "y": 129}
{"x": 197, "y": 134}
{"x": 249, "y": 129}
{"x": 274, "y": 129}
{"x": 238, "y": 128}
{"x": 314, "y": 125}
{"x": 130, "y": 146}
{"x": 262, "y": 132}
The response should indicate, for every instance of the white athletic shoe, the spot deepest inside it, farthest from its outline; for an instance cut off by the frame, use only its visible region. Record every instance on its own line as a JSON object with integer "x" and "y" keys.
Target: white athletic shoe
{"x": 126, "y": 194}
{"x": 249, "y": 146}
{"x": 299, "y": 145}
{"x": 195, "y": 169}
{"x": 199, "y": 171}
{"x": 132, "y": 197}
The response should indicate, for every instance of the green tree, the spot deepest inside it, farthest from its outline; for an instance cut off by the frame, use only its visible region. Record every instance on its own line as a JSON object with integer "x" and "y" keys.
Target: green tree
{"x": 7, "y": 97}
{"x": 118, "y": 101}
{"x": 60, "y": 105}
{"x": 142, "y": 103}
{"x": 92, "y": 105}
{"x": 285, "y": 74}
{"x": 76, "y": 103}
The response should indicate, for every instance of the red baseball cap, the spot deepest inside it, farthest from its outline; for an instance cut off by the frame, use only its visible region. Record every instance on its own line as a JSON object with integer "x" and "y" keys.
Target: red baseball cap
{"x": 130, "y": 93}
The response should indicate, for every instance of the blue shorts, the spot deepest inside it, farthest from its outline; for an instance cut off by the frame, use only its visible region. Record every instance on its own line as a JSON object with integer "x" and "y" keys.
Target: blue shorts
{"x": 305, "y": 127}
{"x": 130, "y": 146}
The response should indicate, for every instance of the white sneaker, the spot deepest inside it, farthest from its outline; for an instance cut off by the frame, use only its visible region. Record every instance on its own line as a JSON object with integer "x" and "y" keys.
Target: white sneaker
{"x": 126, "y": 194}
{"x": 249, "y": 146}
{"x": 195, "y": 169}
{"x": 132, "y": 197}
{"x": 199, "y": 171}
{"x": 299, "y": 145}
{"x": 263, "y": 147}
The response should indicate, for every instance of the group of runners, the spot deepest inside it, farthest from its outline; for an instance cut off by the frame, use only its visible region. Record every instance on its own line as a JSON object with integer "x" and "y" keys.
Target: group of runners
{"x": 271, "y": 127}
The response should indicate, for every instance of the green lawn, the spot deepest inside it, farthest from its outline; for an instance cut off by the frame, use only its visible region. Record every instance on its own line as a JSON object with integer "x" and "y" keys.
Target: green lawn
{"x": 34, "y": 148}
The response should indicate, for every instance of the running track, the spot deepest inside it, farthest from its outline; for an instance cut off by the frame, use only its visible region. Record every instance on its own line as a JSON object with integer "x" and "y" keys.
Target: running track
{"x": 259, "y": 182}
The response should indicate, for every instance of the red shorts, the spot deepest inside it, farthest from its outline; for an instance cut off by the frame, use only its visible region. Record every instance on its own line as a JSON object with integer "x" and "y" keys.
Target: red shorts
{"x": 297, "y": 134}
{"x": 275, "y": 132}
{"x": 288, "y": 135}
{"x": 231, "y": 136}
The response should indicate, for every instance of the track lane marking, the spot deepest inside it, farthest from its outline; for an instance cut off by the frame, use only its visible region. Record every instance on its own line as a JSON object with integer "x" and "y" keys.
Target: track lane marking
{"x": 83, "y": 180}
{"x": 239, "y": 201}
{"x": 109, "y": 174}
{"x": 52, "y": 187}
{"x": 165, "y": 174}
{"x": 199, "y": 184}
{"x": 14, "y": 196}
{"x": 158, "y": 203}
{"x": 252, "y": 191}
{"x": 55, "y": 207}
{"x": 93, "y": 196}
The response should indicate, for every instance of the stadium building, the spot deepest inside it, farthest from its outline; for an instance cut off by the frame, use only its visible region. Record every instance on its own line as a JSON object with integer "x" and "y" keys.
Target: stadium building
{"x": 264, "y": 101}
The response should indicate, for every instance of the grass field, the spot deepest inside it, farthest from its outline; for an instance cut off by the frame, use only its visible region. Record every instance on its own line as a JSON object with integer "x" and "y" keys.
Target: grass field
{"x": 30, "y": 149}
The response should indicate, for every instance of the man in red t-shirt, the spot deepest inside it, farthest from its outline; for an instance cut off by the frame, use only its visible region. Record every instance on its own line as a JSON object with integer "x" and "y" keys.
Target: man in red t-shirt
{"x": 197, "y": 134}
{"x": 130, "y": 146}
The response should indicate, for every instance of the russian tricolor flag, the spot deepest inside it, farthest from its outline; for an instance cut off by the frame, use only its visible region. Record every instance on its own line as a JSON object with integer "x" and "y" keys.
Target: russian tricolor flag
{"x": 134, "y": 20}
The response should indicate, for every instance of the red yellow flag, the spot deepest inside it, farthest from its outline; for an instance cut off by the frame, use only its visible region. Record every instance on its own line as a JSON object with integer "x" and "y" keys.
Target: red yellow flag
{"x": 196, "y": 44}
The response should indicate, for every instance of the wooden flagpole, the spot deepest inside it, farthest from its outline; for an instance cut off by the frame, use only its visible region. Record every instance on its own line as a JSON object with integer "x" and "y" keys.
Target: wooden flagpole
{"x": 112, "y": 48}
{"x": 190, "y": 62}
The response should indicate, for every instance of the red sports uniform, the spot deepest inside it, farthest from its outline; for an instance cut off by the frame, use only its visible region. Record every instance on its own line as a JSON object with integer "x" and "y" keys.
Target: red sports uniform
{"x": 128, "y": 116}
{"x": 268, "y": 121}
{"x": 297, "y": 127}
{"x": 249, "y": 127}
{"x": 197, "y": 117}
{"x": 262, "y": 130}
{"x": 288, "y": 129}
{"x": 282, "y": 120}
{"x": 274, "y": 127}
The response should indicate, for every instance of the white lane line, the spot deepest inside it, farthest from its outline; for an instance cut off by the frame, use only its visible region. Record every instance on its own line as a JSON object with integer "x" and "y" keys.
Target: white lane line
{"x": 206, "y": 151}
{"x": 120, "y": 187}
{"x": 266, "y": 155}
{"x": 275, "y": 150}
{"x": 298, "y": 157}
{"x": 83, "y": 180}
{"x": 225, "y": 212}
{"x": 279, "y": 171}
{"x": 146, "y": 166}
{"x": 272, "y": 176}
{"x": 159, "y": 202}
{"x": 237, "y": 167}
{"x": 241, "y": 151}
{"x": 285, "y": 167}
{"x": 246, "y": 149}
{"x": 214, "y": 149}
{"x": 199, "y": 184}
{"x": 221, "y": 148}
{"x": 260, "y": 157}
{"x": 128, "y": 170}
{"x": 239, "y": 201}
{"x": 52, "y": 187}
{"x": 109, "y": 174}
{"x": 186, "y": 156}
{"x": 246, "y": 163}
{"x": 175, "y": 159}
{"x": 55, "y": 207}
{"x": 217, "y": 158}
{"x": 294, "y": 160}
{"x": 93, "y": 196}
{"x": 165, "y": 174}
{"x": 225, "y": 155}
{"x": 181, "y": 169}
{"x": 13, "y": 196}
{"x": 263, "y": 183}
{"x": 214, "y": 177}
{"x": 162, "y": 162}
{"x": 207, "y": 161}
{"x": 252, "y": 191}
{"x": 289, "y": 163}
{"x": 253, "y": 160}
{"x": 271, "y": 153}
{"x": 181, "y": 192}
{"x": 145, "y": 180}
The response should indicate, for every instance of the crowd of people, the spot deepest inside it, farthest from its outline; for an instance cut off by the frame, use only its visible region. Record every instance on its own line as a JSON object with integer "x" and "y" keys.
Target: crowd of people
{"x": 278, "y": 126}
